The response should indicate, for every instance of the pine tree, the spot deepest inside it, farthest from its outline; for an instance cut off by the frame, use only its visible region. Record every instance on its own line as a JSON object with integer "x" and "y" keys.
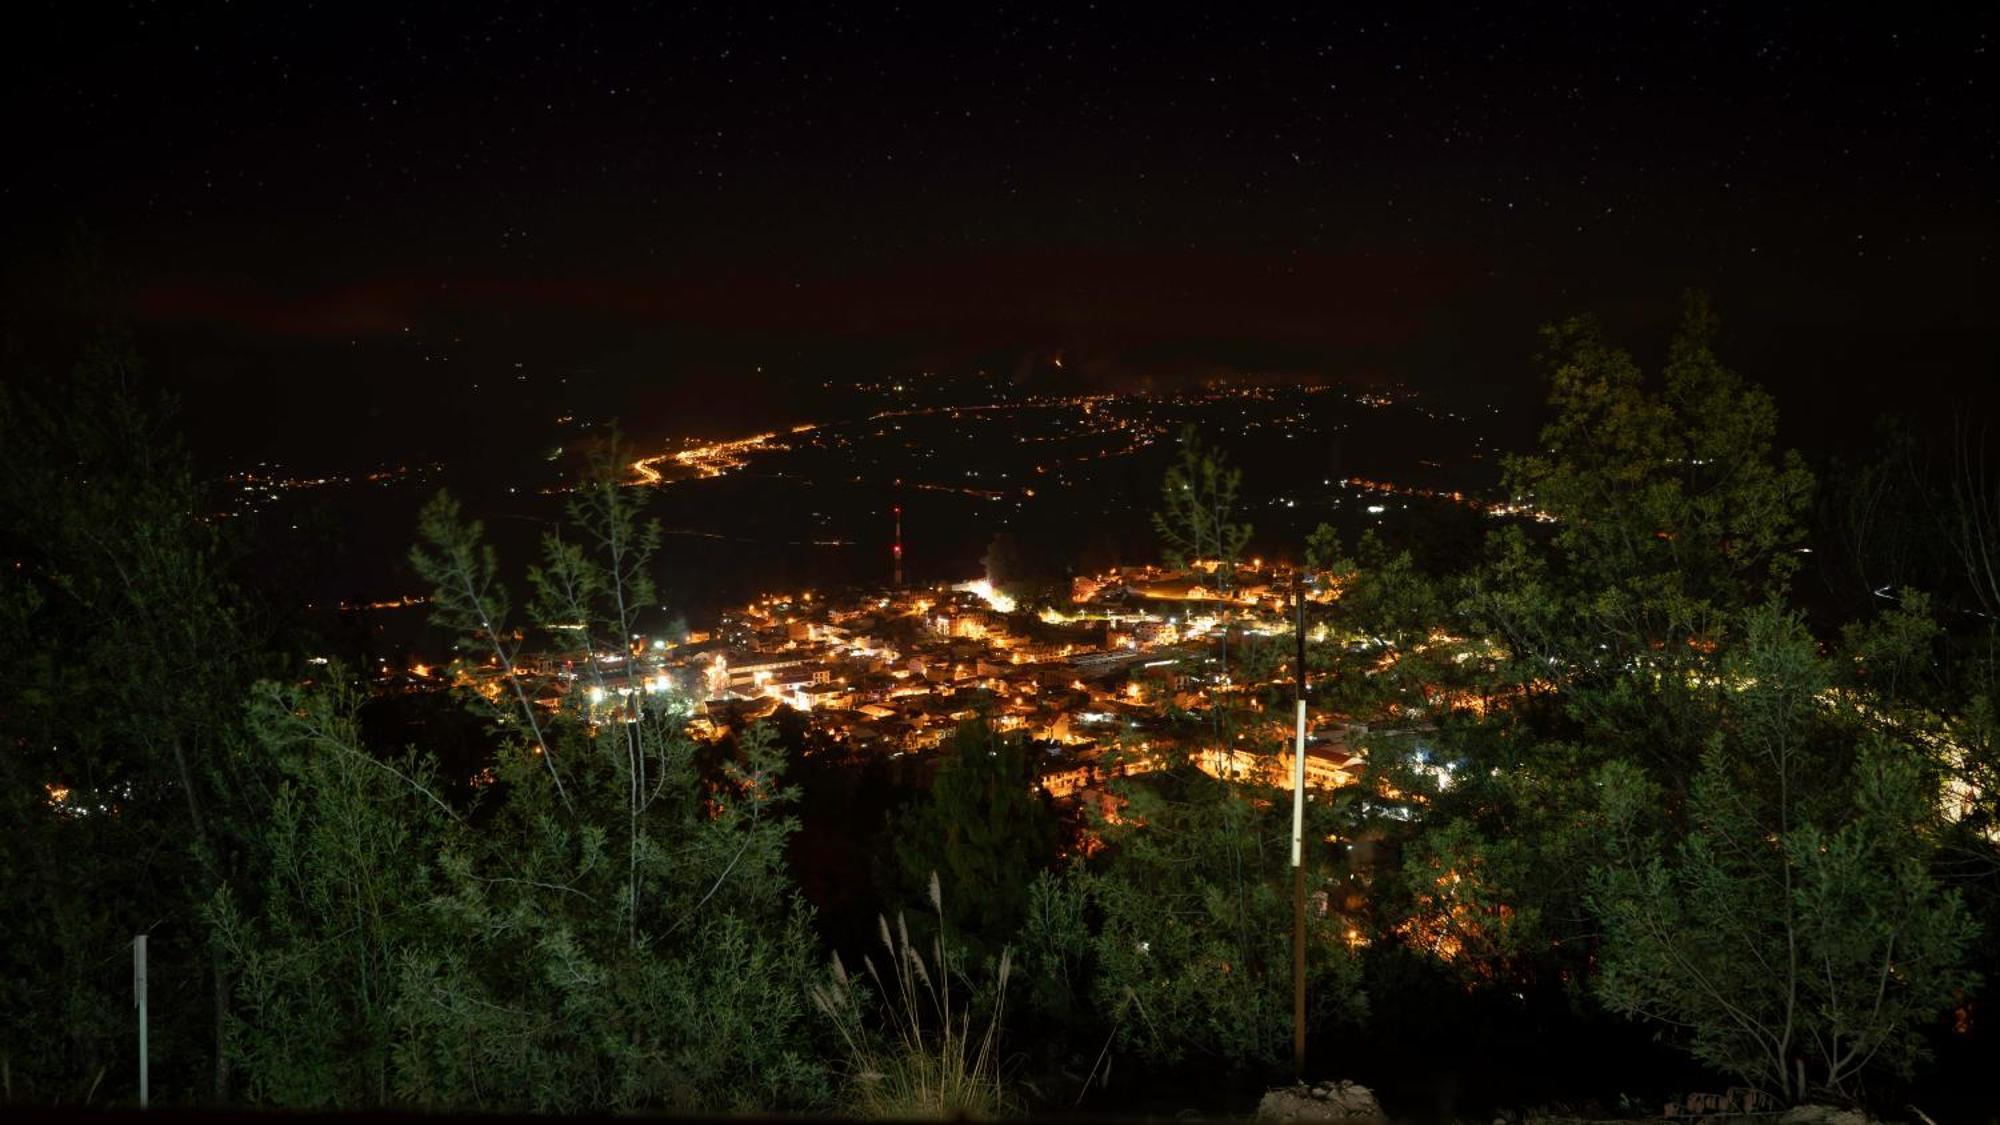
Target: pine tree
{"x": 129, "y": 796}
{"x": 985, "y": 831}
{"x": 1793, "y": 932}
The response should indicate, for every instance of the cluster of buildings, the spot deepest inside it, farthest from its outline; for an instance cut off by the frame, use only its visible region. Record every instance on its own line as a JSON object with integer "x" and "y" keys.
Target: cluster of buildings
{"x": 1110, "y": 680}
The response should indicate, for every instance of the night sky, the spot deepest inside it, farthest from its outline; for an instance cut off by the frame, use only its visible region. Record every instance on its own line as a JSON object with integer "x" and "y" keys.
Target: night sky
{"x": 667, "y": 195}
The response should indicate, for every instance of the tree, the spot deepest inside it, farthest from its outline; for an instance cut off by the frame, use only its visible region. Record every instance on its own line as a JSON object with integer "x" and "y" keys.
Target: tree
{"x": 1673, "y": 513}
{"x": 1971, "y": 745}
{"x": 352, "y": 843}
{"x": 1878, "y": 522}
{"x": 1388, "y": 613}
{"x": 690, "y": 948}
{"x": 1593, "y": 635}
{"x": 129, "y": 797}
{"x": 1792, "y": 932}
{"x": 1973, "y": 520}
{"x": 603, "y": 591}
{"x": 1197, "y": 521}
{"x": 985, "y": 831}
{"x": 1196, "y": 525}
{"x": 1679, "y": 487}
{"x": 607, "y": 926}
{"x": 1188, "y": 951}
{"x": 705, "y": 1012}
{"x": 469, "y": 600}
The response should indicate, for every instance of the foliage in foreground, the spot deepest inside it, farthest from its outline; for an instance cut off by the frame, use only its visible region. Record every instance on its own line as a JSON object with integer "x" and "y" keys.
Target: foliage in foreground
{"x": 1775, "y": 890}
{"x": 982, "y": 832}
{"x": 1177, "y": 940}
{"x": 927, "y": 1060}
{"x": 402, "y": 956}
{"x": 1794, "y": 933}
{"x": 609, "y": 926}
{"x": 126, "y": 793}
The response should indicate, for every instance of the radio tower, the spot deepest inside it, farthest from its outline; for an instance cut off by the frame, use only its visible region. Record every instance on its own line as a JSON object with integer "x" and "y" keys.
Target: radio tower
{"x": 897, "y": 550}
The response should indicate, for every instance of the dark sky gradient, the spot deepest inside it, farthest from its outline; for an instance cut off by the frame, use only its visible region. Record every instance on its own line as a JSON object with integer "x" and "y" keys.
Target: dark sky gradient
{"x": 659, "y": 190}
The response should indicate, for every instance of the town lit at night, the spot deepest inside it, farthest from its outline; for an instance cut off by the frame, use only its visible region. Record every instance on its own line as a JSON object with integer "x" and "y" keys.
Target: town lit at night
{"x": 1045, "y": 562}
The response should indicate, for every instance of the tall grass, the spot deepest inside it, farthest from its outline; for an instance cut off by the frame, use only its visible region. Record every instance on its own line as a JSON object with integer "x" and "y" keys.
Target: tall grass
{"x": 925, "y": 1060}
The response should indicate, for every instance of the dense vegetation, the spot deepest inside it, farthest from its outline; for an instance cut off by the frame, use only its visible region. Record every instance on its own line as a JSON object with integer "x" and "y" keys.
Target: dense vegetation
{"x": 1630, "y": 774}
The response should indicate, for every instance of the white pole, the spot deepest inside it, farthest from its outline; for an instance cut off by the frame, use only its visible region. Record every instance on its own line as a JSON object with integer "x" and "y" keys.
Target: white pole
{"x": 1299, "y": 789}
{"x": 139, "y": 999}
{"x": 1298, "y": 848}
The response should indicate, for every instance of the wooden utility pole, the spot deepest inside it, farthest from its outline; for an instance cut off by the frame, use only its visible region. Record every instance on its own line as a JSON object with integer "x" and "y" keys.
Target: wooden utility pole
{"x": 1298, "y": 845}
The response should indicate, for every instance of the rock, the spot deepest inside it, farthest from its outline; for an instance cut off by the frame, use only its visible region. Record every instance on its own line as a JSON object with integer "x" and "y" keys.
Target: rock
{"x": 1824, "y": 1115}
{"x": 1343, "y": 1102}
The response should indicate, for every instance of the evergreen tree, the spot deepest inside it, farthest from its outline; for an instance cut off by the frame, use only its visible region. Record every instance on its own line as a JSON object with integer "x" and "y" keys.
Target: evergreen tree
{"x": 129, "y": 797}
{"x": 353, "y": 844}
{"x": 1597, "y": 639}
{"x": 985, "y": 831}
{"x": 1197, "y": 521}
{"x": 1793, "y": 931}
{"x": 608, "y": 927}
{"x": 1180, "y": 933}
{"x": 1673, "y": 513}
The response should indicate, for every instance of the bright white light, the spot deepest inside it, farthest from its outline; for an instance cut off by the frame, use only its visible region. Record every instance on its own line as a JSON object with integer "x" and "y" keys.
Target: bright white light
{"x": 984, "y": 591}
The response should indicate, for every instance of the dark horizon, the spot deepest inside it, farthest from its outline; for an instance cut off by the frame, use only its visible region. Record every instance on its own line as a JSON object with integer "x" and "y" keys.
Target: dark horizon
{"x": 668, "y": 201}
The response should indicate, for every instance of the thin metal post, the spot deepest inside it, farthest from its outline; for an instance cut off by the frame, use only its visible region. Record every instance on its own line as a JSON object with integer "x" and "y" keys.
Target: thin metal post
{"x": 139, "y": 1001}
{"x": 1299, "y": 749}
{"x": 1298, "y": 846}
